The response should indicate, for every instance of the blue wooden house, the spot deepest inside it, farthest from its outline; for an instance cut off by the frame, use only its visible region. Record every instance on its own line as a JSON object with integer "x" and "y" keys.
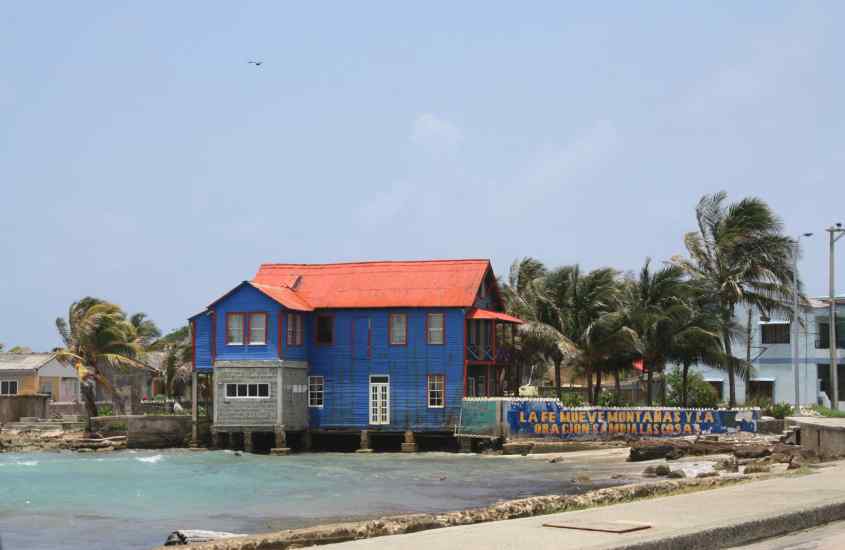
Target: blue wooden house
{"x": 372, "y": 346}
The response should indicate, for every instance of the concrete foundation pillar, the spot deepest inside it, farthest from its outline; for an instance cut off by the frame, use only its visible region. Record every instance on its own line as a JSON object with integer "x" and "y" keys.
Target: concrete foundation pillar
{"x": 365, "y": 442}
{"x": 215, "y": 440}
{"x": 465, "y": 444}
{"x": 247, "y": 441}
{"x": 410, "y": 443}
{"x": 306, "y": 441}
{"x": 281, "y": 447}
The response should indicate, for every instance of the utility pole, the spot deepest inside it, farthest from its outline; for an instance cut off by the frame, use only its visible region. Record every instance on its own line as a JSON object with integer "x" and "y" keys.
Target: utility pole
{"x": 836, "y": 233}
{"x": 796, "y": 329}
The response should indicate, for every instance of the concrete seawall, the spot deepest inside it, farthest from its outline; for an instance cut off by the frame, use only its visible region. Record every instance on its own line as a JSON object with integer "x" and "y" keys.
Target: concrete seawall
{"x": 15, "y": 407}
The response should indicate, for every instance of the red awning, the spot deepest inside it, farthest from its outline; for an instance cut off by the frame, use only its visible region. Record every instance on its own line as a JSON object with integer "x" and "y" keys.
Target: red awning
{"x": 476, "y": 313}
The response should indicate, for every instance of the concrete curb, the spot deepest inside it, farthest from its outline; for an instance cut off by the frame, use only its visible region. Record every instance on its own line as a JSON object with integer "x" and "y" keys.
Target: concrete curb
{"x": 744, "y": 531}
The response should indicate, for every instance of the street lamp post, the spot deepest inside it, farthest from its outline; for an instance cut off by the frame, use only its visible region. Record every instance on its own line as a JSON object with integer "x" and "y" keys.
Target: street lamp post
{"x": 796, "y": 330}
{"x": 836, "y": 233}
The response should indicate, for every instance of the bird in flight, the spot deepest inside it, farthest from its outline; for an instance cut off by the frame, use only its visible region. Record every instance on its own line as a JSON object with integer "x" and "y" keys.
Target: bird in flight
{"x": 256, "y": 63}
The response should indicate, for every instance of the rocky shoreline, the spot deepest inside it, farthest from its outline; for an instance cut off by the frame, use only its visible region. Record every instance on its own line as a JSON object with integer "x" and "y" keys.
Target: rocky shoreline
{"x": 29, "y": 441}
{"x": 512, "y": 509}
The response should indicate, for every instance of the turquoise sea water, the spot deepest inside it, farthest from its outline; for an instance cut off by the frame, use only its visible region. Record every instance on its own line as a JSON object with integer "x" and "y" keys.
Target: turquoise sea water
{"x": 135, "y": 499}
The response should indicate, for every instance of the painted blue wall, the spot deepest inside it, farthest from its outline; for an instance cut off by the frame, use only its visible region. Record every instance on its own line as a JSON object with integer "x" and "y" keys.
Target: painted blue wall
{"x": 297, "y": 353}
{"x": 347, "y": 371}
{"x": 347, "y": 367}
{"x": 246, "y": 299}
{"x": 202, "y": 326}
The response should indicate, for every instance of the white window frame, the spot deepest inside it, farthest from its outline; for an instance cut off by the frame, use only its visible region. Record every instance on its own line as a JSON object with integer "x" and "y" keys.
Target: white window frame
{"x": 266, "y": 318}
{"x": 243, "y": 317}
{"x": 312, "y": 382}
{"x": 295, "y": 330}
{"x": 226, "y": 395}
{"x": 378, "y": 421}
{"x": 433, "y": 388}
{"x": 393, "y": 333}
{"x": 428, "y": 328}
{"x": 9, "y": 381}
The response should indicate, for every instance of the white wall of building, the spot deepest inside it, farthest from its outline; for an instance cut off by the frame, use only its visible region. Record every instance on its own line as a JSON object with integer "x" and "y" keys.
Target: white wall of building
{"x": 773, "y": 362}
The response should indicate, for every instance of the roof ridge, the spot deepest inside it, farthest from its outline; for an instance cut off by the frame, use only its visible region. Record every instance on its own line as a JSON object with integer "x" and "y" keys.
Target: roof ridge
{"x": 363, "y": 262}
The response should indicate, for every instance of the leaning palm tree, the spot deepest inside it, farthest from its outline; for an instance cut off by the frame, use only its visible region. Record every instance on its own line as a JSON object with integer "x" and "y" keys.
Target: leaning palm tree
{"x": 740, "y": 256}
{"x": 97, "y": 333}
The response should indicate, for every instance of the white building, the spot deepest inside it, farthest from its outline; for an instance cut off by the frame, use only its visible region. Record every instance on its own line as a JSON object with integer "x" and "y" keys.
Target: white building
{"x": 771, "y": 355}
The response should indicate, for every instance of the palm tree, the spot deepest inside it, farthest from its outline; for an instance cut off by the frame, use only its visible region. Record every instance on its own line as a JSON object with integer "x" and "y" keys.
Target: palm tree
{"x": 538, "y": 341}
{"x": 145, "y": 329}
{"x": 739, "y": 256}
{"x": 696, "y": 339}
{"x": 177, "y": 361}
{"x": 652, "y": 304}
{"x": 583, "y": 308}
{"x": 97, "y": 333}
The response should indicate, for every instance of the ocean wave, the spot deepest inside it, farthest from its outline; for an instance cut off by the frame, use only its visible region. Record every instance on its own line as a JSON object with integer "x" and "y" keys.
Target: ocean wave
{"x": 150, "y": 459}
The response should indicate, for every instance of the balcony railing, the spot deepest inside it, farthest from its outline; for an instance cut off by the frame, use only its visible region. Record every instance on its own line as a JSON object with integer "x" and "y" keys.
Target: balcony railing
{"x": 485, "y": 352}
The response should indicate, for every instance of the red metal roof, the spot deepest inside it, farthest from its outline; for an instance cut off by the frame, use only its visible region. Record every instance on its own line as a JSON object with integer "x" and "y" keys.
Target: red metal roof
{"x": 284, "y": 296}
{"x": 477, "y": 313}
{"x": 426, "y": 283}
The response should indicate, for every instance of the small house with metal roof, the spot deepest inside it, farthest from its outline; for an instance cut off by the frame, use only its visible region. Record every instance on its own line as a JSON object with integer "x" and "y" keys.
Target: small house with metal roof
{"x": 34, "y": 373}
{"x": 387, "y": 347}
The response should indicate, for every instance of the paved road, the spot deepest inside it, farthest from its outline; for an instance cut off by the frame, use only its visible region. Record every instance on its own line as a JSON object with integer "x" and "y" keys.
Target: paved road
{"x": 829, "y": 537}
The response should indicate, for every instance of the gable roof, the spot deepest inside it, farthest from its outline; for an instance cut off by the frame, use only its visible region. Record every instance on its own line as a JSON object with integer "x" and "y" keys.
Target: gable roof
{"x": 24, "y": 361}
{"x": 423, "y": 283}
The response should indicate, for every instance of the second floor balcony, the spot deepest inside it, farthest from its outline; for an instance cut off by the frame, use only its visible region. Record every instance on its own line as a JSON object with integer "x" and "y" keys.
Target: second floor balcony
{"x": 490, "y": 340}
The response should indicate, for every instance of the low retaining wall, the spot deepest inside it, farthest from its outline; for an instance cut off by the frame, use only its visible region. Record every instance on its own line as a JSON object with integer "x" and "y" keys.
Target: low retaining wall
{"x": 65, "y": 408}
{"x": 825, "y": 437}
{"x": 14, "y": 407}
{"x": 548, "y": 418}
{"x": 154, "y": 432}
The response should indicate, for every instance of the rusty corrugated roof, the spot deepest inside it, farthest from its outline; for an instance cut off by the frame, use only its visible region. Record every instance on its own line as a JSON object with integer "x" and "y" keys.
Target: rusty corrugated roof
{"x": 425, "y": 283}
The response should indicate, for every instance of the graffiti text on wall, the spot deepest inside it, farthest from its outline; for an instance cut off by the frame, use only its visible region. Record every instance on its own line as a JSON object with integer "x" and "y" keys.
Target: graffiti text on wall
{"x": 533, "y": 418}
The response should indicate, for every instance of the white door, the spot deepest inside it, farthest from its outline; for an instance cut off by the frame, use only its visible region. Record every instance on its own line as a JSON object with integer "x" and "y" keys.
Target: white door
{"x": 379, "y": 400}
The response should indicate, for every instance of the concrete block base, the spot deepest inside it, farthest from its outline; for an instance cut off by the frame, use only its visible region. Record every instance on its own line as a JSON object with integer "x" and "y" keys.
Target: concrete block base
{"x": 409, "y": 447}
{"x": 364, "y": 451}
{"x": 280, "y": 451}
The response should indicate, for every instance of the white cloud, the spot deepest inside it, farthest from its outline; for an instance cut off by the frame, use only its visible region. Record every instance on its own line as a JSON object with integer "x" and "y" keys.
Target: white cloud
{"x": 435, "y": 133}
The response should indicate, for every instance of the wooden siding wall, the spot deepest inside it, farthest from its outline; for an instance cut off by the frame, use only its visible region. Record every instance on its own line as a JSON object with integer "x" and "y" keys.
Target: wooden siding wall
{"x": 203, "y": 341}
{"x": 247, "y": 300}
{"x": 347, "y": 373}
{"x": 347, "y": 369}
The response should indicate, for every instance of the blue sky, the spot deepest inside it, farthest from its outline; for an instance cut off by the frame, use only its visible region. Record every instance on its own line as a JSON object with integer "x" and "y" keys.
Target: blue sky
{"x": 144, "y": 161}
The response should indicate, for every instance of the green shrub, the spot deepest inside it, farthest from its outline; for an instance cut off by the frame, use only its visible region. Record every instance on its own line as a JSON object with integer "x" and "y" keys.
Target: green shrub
{"x": 160, "y": 397}
{"x": 779, "y": 410}
{"x": 608, "y": 398}
{"x": 105, "y": 409}
{"x": 763, "y": 403}
{"x": 700, "y": 394}
{"x": 572, "y": 399}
